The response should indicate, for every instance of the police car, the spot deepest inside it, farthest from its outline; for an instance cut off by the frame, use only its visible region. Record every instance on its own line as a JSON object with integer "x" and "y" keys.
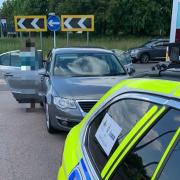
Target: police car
{"x": 132, "y": 133}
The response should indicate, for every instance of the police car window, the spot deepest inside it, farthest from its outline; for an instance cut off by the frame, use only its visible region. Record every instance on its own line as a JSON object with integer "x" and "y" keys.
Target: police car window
{"x": 142, "y": 161}
{"x": 171, "y": 170}
{"x": 119, "y": 118}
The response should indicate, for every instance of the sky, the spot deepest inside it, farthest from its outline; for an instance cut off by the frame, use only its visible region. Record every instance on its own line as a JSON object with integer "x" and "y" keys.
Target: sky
{"x": 1, "y": 1}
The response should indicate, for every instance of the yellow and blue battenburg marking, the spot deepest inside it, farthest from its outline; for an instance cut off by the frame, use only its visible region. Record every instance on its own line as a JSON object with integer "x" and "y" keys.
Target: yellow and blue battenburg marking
{"x": 79, "y": 172}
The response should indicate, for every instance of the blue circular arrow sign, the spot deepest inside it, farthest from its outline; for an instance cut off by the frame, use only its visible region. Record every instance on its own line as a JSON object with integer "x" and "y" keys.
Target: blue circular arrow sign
{"x": 54, "y": 23}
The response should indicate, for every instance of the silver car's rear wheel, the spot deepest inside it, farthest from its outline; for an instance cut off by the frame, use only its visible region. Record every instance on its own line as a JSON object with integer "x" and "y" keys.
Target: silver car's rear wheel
{"x": 48, "y": 120}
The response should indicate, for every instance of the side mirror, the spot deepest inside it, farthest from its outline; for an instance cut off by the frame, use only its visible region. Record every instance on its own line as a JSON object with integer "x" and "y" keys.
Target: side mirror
{"x": 131, "y": 71}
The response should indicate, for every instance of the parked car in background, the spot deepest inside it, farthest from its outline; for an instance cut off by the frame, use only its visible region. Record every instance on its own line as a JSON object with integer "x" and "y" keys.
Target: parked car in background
{"x": 133, "y": 132}
{"x": 153, "y": 50}
{"x": 125, "y": 60}
{"x": 74, "y": 80}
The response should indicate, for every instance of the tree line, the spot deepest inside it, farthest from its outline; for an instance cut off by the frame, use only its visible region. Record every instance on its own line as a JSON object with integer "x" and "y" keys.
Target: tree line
{"x": 112, "y": 17}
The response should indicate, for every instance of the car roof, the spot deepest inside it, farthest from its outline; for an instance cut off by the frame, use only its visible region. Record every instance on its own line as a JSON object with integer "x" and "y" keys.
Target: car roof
{"x": 149, "y": 85}
{"x": 81, "y": 50}
{"x": 9, "y": 52}
{"x": 159, "y": 40}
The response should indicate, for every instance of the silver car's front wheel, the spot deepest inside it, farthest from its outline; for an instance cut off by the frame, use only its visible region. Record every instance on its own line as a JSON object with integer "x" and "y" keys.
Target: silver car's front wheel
{"x": 48, "y": 120}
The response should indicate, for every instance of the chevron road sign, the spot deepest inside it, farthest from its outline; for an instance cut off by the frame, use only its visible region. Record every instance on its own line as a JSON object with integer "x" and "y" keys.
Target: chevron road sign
{"x": 30, "y": 23}
{"x": 77, "y": 23}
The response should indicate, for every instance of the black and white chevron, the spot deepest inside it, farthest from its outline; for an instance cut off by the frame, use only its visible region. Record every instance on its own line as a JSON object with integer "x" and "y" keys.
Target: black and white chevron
{"x": 77, "y": 23}
{"x": 30, "y": 23}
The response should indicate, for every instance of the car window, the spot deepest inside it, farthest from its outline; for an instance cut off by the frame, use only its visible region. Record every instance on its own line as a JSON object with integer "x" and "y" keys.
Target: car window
{"x": 120, "y": 116}
{"x": 148, "y": 44}
{"x": 5, "y": 59}
{"x": 124, "y": 58}
{"x": 165, "y": 43}
{"x": 158, "y": 44}
{"x": 142, "y": 161}
{"x": 87, "y": 64}
{"x": 172, "y": 166}
{"x": 15, "y": 59}
{"x": 39, "y": 61}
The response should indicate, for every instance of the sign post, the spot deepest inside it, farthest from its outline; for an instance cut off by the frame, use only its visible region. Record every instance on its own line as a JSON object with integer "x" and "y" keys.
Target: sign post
{"x": 41, "y": 40}
{"x": 77, "y": 23}
{"x": 87, "y": 38}
{"x": 3, "y": 26}
{"x": 54, "y": 24}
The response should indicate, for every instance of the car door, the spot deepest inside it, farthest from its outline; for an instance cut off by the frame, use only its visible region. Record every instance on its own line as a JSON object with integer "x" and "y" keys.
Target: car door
{"x": 109, "y": 132}
{"x": 25, "y": 84}
{"x": 144, "y": 159}
{"x": 168, "y": 167}
{"x": 159, "y": 50}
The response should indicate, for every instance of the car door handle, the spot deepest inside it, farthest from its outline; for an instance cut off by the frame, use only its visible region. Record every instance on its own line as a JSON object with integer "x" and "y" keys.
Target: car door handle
{"x": 8, "y": 75}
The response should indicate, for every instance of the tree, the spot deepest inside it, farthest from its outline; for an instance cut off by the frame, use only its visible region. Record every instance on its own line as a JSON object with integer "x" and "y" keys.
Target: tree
{"x": 142, "y": 17}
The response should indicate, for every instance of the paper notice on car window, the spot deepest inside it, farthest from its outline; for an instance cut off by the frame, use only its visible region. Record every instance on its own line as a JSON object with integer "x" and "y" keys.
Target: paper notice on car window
{"x": 108, "y": 133}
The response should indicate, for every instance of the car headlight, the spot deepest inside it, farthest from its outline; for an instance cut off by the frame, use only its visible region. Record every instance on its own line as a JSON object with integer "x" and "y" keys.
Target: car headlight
{"x": 64, "y": 103}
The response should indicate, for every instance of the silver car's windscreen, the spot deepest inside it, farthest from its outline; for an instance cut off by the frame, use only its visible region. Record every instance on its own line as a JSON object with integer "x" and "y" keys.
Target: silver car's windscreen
{"x": 87, "y": 64}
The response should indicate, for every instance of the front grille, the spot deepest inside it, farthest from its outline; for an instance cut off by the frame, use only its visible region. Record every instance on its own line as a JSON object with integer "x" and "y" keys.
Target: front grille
{"x": 86, "y": 105}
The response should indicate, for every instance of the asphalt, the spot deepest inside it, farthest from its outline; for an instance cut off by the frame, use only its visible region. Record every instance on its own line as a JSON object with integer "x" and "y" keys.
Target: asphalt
{"x": 140, "y": 68}
{"x": 27, "y": 151}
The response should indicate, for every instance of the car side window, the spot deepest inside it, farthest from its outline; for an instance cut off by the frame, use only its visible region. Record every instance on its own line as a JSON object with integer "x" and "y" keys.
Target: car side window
{"x": 113, "y": 123}
{"x": 5, "y": 59}
{"x": 158, "y": 44}
{"x": 15, "y": 59}
{"x": 171, "y": 168}
{"x": 165, "y": 43}
{"x": 143, "y": 159}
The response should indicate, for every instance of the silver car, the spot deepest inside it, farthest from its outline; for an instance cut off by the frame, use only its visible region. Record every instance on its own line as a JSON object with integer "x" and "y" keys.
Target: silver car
{"x": 75, "y": 79}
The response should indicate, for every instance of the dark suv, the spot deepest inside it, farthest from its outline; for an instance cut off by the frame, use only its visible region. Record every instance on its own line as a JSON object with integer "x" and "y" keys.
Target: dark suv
{"x": 152, "y": 50}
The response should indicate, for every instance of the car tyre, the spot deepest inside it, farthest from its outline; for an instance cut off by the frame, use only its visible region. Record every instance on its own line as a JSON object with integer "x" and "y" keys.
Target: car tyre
{"x": 144, "y": 58}
{"x": 50, "y": 129}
